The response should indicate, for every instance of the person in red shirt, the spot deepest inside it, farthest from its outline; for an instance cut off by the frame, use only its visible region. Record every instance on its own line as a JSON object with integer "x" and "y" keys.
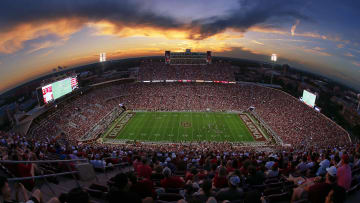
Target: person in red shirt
{"x": 171, "y": 181}
{"x": 319, "y": 191}
{"x": 144, "y": 170}
{"x": 220, "y": 180}
{"x": 136, "y": 162}
{"x": 344, "y": 176}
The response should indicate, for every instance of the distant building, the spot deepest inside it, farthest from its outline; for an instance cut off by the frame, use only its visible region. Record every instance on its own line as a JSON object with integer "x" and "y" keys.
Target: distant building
{"x": 351, "y": 115}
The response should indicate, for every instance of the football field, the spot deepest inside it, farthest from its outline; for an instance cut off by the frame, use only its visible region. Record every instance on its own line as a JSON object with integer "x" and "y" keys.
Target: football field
{"x": 180, "y": 127}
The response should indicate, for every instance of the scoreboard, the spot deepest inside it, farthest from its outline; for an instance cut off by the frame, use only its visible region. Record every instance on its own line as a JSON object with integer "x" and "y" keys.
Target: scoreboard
{"x": 187, "y": 58}
{"x": 309, "y": 98}
{"x": 58, "y": 89}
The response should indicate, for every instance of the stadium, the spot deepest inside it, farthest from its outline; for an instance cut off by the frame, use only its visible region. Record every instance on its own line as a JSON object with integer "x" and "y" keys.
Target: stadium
{"x": 184, "y": 103}
{"x": 187, "y": 116}
{"x": 179, "y": 101}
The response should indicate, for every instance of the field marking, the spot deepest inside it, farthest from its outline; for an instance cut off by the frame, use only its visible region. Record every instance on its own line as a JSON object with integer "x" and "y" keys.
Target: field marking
{"x": 243, "y": 130}
{"x": 231, "y": 129}
{"x": 255, "y": 127}
{"x": 192, "y": 127}
{"x": 151, "y": 119}
{"x": 178, "y": 126}
{"x": 143, "y": 116}
{"x": 213, "y": 118}
{"x": 202, "y": 121}
{"x": 172, "y": 127}
{"x": 162, "y": 122}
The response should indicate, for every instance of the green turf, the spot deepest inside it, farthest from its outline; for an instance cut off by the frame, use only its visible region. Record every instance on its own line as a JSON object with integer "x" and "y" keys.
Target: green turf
{"x": 184, "y": 126}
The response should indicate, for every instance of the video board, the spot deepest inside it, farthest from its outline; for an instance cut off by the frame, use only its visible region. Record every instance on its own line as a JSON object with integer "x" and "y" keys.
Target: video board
{"x": 58, "y": 89}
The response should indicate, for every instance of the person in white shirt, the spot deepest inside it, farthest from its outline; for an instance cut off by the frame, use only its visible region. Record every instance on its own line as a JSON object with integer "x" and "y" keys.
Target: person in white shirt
{"x": 325, "y": 163}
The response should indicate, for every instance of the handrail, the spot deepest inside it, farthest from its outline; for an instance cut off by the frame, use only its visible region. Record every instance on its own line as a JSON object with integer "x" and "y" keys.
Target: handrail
{"x": 114, "y": 165}
{"x": 42, "y": 176}
{"x": 41, "y": 161}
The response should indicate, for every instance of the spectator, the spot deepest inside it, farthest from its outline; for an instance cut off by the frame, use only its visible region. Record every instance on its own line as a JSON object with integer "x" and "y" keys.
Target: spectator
{"x": 205, "y": 192}
{"x": 336, "y": 195}
{"x": 171, "y": 181}
{"x": 233, "y": 192}
{"x": 143, "y": 169}
{"x": 5, "y": 193}
{"x": 344, "y": 173}
{"x": 255, "y": 177}
{"x": 319, "y": 191}
{"x": 274, "y": 172}
{"x": 220, "y": 180}
{"x": 120, "y": 190}
{"x": 325, "y": 163}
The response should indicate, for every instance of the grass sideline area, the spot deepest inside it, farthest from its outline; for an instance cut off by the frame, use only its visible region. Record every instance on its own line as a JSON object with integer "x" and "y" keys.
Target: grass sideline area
{"x": 180, "y": 127}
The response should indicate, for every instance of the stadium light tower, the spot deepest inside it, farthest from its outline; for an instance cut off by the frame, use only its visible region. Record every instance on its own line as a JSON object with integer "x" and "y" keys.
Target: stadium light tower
{"x": 102, "y": 57}
{"x": 273, "y": 59}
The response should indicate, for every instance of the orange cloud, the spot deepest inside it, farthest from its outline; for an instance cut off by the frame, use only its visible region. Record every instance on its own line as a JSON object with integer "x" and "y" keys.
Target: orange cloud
{"x": 356, "y": 63}
{"x": 349, "y": 54}
{"x": 183, "y": 33}
{"x": 268, "y": 30}
{"x": 108, "y": 28}
{"x": 316, "y": 50}
{"x": 293, "y": 28}
{"x": 13, "y": 40}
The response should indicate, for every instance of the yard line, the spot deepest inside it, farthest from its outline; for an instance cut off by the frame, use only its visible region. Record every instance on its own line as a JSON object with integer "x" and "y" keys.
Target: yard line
{"x": 192, "y": 129}
{"x": 202, "y": 123}
{"x": 232, "y": 128}
{"x": 145, "y": 126}
{"x": 213, "y": 118}
{"x": 162, "y": 122}
{"x": 178, "y": 126}
{"x": 172, "y": 126}
{"x": 141, "y": 123}
{"x": 154, "y": 126}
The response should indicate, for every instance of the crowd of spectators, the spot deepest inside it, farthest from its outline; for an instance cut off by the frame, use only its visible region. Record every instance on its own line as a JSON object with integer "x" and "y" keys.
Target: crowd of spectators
{"x": 161, "y": 71}
{"x": 74, "y": 117}
{"x": 197, "y": 172}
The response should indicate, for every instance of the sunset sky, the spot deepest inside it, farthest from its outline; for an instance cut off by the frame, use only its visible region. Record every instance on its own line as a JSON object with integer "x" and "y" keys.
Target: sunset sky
{"x": 322, "y": 36}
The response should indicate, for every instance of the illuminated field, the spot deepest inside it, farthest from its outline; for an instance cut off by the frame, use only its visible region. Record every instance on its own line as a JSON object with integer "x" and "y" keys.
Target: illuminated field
{"x": 180, "y": 127}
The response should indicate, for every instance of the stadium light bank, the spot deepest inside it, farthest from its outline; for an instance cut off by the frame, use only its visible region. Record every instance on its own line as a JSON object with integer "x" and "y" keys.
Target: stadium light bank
{"x": 273, "y": 59}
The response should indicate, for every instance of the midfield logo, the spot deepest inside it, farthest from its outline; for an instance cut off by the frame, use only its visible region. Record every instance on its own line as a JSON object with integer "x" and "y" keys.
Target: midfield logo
{"x": 186, "y": 124}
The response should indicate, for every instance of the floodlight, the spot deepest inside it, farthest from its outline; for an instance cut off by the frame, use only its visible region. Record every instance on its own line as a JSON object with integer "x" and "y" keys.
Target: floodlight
{"x": 102, "y": 57}
{"x": 273, "y": 57}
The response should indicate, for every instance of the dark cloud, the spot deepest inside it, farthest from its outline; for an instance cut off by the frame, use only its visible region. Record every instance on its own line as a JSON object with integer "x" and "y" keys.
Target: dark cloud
{"x": 264, "y": 13}
{"x": 131, "y": 13}
{"x": 122, "y": 12}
